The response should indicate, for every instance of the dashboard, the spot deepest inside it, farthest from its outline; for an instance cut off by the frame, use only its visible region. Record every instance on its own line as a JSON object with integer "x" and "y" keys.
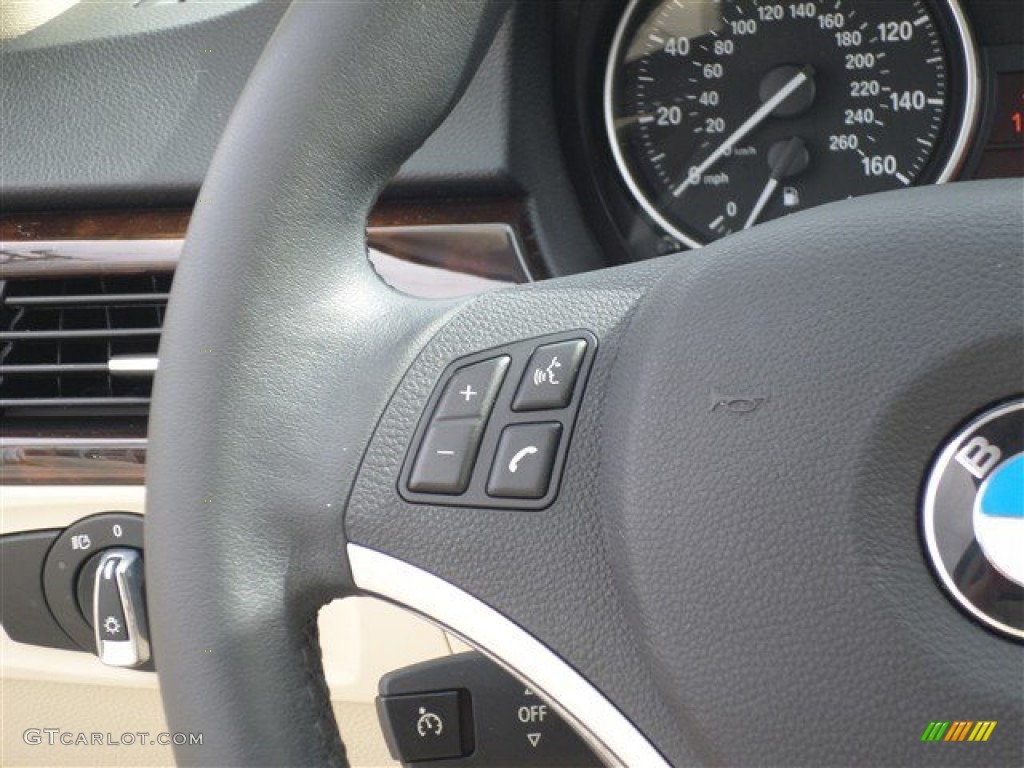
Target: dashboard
{"x": 551, "y": 125}
{"x": 596, "y": 132}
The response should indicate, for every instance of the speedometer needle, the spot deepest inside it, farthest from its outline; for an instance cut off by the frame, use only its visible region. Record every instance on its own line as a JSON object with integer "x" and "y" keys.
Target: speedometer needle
{"x": 792, "y": 159}
{"x": 694, "y": 175}
{"x": 762, "y": 201}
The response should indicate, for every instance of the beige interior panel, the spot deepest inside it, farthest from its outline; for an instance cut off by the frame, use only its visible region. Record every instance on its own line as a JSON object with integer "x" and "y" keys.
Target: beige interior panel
{"x": 20, "y": 16}
{"x": 36, "y": 507}
{"x": 362, "y": 640}
{"x": 87, "y": 709}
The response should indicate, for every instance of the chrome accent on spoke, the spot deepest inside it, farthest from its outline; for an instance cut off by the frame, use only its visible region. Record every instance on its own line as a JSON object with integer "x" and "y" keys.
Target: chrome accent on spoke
{"x": 605, "y": 729}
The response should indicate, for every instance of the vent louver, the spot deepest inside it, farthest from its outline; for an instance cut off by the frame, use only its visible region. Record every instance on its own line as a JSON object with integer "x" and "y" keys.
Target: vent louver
{"x": 82, "y": 346}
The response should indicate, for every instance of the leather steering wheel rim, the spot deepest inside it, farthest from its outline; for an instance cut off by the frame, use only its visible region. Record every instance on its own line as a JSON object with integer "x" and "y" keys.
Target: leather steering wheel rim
{"x": 292, "y": 195}
{"x": 292, "y": 381}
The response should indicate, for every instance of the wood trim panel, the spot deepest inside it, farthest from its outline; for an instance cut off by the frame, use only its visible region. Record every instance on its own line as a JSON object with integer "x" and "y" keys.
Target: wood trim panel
{"x": 72, "y": 462}
{"x": 58, "y": 243}
{"x": 95, "y": 225}
{"x": 448, "y": 247}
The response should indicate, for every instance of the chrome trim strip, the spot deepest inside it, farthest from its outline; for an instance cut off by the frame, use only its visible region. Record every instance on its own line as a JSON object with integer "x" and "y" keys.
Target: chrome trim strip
{"x": 101, "y": 299}
{"x": 133, "y": 364}
{"x": 106, "y": 443}
{"x": 968, "y": 119}
{"x": 612, "y": 134}
{"x": 972, "y": 95}
{"x": 90, "y": 333}
{"x": 69, "y": 402}
{"x": 32, "y": 369}
{"x": 605, "y": 729}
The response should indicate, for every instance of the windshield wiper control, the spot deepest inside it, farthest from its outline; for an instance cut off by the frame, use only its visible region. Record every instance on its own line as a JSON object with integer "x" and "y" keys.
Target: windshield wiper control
{"x": 118, "y": 609}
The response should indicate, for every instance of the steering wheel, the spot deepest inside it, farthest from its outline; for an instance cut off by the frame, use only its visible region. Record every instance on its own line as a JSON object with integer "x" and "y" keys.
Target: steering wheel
{"x": 731, "y": 570}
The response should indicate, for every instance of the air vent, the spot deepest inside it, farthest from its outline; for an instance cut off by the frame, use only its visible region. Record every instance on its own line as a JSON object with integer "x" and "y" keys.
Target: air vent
{"x": 79, "y": 347}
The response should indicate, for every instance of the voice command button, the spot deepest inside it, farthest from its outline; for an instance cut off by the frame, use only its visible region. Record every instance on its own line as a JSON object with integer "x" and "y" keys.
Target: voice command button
{"x": 550, "y": 377}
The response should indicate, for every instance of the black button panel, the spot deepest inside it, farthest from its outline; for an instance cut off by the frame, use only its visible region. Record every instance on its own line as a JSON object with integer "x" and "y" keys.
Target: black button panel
{"x": 496, "y": 431}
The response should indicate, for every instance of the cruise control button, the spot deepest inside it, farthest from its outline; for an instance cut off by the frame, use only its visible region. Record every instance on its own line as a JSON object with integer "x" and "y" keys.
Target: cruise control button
{"x": 471, "y": 390}
{"x": 524, "y": 459}
{"x": 425, "y": 726}
{"x": 550, "y": 376}
{"x": 445, "y": 460}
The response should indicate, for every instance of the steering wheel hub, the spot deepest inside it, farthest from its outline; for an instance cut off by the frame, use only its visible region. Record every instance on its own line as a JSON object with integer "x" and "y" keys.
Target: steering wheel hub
{"x": 781, "y": 541}
{"x": 974, "y": 518}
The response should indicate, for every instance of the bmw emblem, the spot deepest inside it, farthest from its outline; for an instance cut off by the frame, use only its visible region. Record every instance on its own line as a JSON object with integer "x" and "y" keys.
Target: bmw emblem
{"x": 974, "y": 518}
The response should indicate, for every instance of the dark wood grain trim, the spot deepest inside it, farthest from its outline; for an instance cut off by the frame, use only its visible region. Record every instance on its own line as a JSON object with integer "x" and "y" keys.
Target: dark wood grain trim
{"x": 171, "y": 224}
{"x": 65, "y": 243}
{"x": 461, "y": 239}
{"x": 72, "y": 462}
{"x": 95, "y": 225}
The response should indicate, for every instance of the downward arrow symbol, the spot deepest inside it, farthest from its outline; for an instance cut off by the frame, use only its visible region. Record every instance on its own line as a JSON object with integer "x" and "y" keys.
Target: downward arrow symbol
{"x": 534, "y": 738}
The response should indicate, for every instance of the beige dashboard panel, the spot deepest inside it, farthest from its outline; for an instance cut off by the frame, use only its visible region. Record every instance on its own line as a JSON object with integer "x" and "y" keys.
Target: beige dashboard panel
{"x": 361, "y": 638}
{"x": 17, "y": 17}
{"x": 30, "y": 708}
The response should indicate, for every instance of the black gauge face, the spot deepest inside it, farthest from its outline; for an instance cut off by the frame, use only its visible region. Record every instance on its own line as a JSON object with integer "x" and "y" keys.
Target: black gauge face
{"x": 726, "y": 113}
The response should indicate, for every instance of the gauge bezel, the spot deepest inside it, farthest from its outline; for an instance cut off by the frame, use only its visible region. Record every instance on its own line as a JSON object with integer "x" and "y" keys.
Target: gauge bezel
{"x": 967, "y": 117}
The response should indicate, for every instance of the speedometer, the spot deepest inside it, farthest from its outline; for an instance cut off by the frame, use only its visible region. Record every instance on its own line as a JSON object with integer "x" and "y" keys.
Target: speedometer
{"x": 726, "y": 113}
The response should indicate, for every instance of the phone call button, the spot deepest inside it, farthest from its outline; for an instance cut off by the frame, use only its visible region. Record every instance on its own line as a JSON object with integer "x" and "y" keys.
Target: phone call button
{"x": 524, "y": 460}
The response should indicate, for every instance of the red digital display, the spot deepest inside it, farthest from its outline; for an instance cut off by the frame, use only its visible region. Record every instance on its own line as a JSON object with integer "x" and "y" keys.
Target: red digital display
{"x": 1004, "y": 151}
{"x": 1008, "y": 126}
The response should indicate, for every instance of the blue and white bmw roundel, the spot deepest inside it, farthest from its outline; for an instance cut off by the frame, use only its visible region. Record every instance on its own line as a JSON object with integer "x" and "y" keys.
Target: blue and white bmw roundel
{"x": 999, "y": 518}
{"x": 974, "y": 518}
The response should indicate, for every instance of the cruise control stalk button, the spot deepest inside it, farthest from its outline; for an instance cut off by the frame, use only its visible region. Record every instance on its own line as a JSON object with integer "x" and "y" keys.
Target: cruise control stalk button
{"x": 424, "y": 726}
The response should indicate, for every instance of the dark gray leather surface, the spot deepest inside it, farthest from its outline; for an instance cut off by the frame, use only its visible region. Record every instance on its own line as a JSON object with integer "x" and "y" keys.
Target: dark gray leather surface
{"x": 548, "y": 570}
{"x": 114, "y": 105}
{"x": 752, "y": 591}
{"x": 110, "y": 105}
{"x": 280, "y": 349}
{"x": 774, "y": 559}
